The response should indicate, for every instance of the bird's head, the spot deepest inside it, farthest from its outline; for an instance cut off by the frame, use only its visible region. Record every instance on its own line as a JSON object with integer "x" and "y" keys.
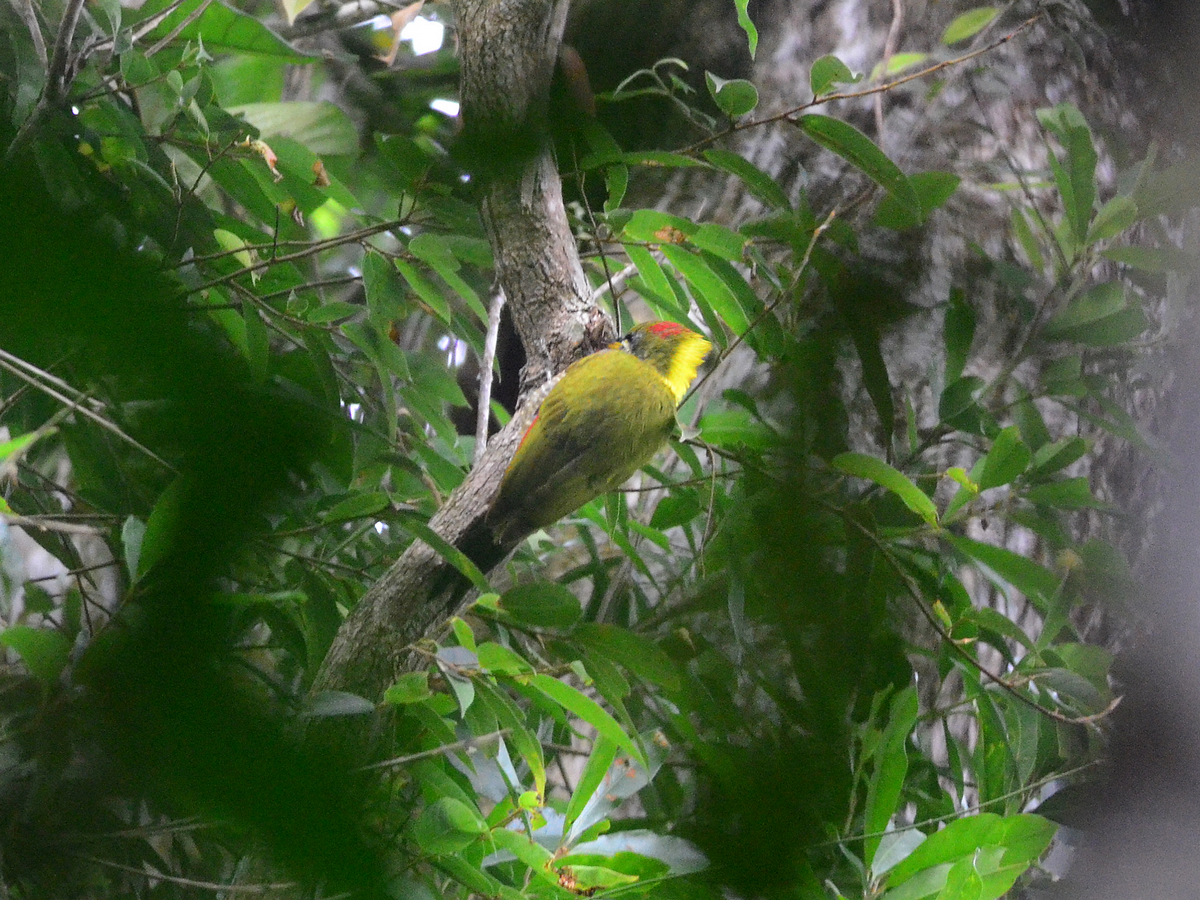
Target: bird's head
{"x": 674, "y": 351}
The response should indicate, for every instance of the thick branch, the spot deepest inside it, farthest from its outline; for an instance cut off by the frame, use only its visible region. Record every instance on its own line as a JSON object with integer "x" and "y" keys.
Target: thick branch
{"x": 508, "y": 49}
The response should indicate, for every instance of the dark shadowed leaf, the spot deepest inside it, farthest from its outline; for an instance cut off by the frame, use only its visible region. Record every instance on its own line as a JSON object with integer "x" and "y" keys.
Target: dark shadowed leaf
{"x": 542, "y": 604}
{"x": 860, "y": 151}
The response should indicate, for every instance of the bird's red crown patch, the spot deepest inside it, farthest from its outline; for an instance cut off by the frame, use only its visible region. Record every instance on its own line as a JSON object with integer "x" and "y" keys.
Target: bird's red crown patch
{"x": 666, "y": 329}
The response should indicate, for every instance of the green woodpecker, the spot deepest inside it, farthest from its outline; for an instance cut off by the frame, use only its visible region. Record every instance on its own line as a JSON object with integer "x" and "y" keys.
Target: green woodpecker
{"x": 604, "y": 419}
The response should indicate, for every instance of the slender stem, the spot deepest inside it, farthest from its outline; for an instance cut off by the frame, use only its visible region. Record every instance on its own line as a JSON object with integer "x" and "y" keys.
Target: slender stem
{"x": 76, "y": 404}
{"x": 465, "y": 744}
{"x": 192, "y": 883}
{"x": 483, "y": 413}
{"x": 178, "y": 29}
{"x": 787, "y": 115}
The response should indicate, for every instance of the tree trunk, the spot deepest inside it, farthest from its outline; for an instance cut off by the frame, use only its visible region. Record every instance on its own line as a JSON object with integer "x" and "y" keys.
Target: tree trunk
{"x": 508, "y": 50}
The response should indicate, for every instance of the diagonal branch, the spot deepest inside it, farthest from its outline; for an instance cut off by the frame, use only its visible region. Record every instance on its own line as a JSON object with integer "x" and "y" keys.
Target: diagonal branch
{"x": 508, "y": 50}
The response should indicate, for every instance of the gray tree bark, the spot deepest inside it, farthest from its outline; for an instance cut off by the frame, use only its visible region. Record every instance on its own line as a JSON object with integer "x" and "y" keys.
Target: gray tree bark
{"x": 508, "y": 50}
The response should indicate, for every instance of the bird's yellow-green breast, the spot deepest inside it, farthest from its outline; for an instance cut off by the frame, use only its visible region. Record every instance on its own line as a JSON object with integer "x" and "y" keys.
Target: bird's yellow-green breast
{"x": 604, "y": 419}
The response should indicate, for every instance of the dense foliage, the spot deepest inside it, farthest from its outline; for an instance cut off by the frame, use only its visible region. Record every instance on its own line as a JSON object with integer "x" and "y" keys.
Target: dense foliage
{"x": 232, "y": 322}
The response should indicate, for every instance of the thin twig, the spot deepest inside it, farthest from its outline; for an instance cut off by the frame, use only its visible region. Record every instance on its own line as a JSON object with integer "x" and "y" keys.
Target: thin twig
{"x": 918, "y": 597}
{"x": 612, "y": 284}
{"x": 984, "y": 804}
{"x": 178, "y": 29}
{"x": 317, "y": 245}
{"x": 71, "y": 573}
{"x": 483, "y": 412}
{"x": 155, "y": 875}
{"x": 59, "y": 76}
{"x": 76, "y": 404}
{"x": 314, "y": 248}
{"x": 29, "y": 16}
{"x": 48, "y": 524}
{"x": 889, "y": 49}
{"x": 58, "y": 79}
{"x": 465, "y": 744}
{"x": 770, "y": 307}
{"x": 787, "y": 115}
{"x": 46, "y": 376}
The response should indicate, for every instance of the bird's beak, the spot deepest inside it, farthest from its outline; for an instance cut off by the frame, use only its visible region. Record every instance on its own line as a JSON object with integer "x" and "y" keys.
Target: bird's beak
{"x": 615, "y": 345}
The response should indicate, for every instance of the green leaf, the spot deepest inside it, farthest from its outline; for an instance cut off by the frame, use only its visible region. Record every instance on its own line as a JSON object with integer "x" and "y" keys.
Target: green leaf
{"x": 589, "y": 711}
{"x": 1065, "y": 376}
{"x": 1169, "y": 191}
{"x": 385, "y": 295}
{"x": 160, "y": 535}
{"x": 1075, "y": 175}
{"x": 436, "y": 251}
{"x": 758, "y": 182}
{"x": 591, "y": 878}
{"x": 1058, "y": 455}
{"x": 258, "y": 346}
{"x": 743, "y": 19}
{"x": 447, "y": 551}
{"x": 933, "y": 189}
{"x": 828, "y": 71}
{"x": 511, "y": 717}
{"x": 1008, "y": 458}
{"x": 719, "y": 240}
{"x": 616, "y": 182}
{"x": 498, "y": 658}
{"x": 358, "y": 506}
{"x": 638, "y": 654}
{"x": 651, "y": 273}
{"x": 542, "y": 604}
{"x": 432, "y": 298}
{"x": 1153, "y": 259}
{"x": 898, "y": 62}
{"x": 332, "y": 704}
{"x": 18, "y": 445}
{"x": 293, "y": 8}
{"x": 734, "y": 428}
{"x": 463, "y": 633}
{"x": 894, "y": 846}
{"x": 447, "y": 826}
{"x": 221, "y": 28}
{"x": 734, "y": 97}
{"x": 1071, "y": 493}
{"x": 1114, "y": 217}
{"x": 337, "y": 309}
{"x": 319, "y": 126}
{"x": 958, "y": 333}
{"x": 45, "y": 652}
{"x": 710, "y": 286}
{"x": 133, "y": 532}
{"x": 660, "y": 159}
{"x": 969, "y": 24}
{"x": 891, "y": 766}
{"x": 1022, "y": 839}
{"x": 1095, "y": 304}
{"x": 963, "y": 882}
{"x": 653, "y": 226}
{"x": 412, "y": 687}
{"x": 472, "y": 877}
{"x": 1024, "y": 235}
{"x": 528, "y": 851}
{"x": 1116, "y": 330}
{"x": 1036, "y": 582}
{"x": 601, "y": 758}
{"x": 861, "y": 465}
{"x": 857, "y": 149}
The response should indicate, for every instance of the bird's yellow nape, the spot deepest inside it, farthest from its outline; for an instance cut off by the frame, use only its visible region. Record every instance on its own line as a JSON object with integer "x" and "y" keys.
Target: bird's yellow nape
{"x": 685, "y": 360}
